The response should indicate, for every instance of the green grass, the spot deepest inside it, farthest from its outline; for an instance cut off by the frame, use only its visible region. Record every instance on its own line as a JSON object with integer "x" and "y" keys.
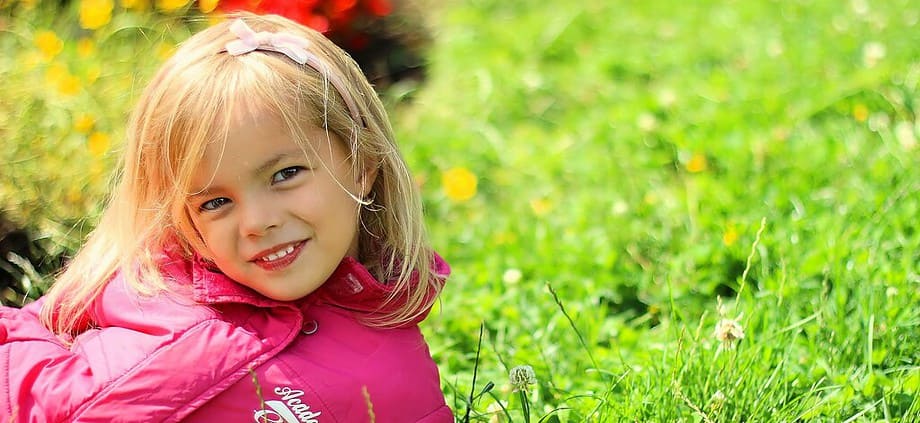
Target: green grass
{"x": 636, "y": 162}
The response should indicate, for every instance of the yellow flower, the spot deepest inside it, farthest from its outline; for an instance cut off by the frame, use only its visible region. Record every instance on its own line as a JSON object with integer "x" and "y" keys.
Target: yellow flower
{"x": 55, "y": 72}
{"x": 94, "y": 14}
{"x": 165, "y": 50}
{"x": 85, "y": 47}
{"x": 697, "y": 163}
{"x": 207, "y": 6}
{"x": 31, "y": 59}
{"x": 84, "y": 123}
{"x": 74, "y": 194}
{"x": 98, "y": 143}
{"x": 215, "y": 18}
{"x": 540, "y": 206}
{"x": 92, "y": 73}
{"x": 96, "y": 172}
{"x": 729, "y": 236}
{"x": 459, "y": 184}
{"x": 860, "y": 112}
{"x": 49, "y": 44}
{"x": 134, "y": 4}
{"x": 171, "y": 5}
{"x": 68, "y": 85}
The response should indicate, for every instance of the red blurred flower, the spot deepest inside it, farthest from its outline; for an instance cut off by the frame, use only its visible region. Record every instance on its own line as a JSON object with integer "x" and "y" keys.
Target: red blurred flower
{"x": 379, "y": 8}
{"x": 302, "y": 11}
{"x": 343, "y": 20}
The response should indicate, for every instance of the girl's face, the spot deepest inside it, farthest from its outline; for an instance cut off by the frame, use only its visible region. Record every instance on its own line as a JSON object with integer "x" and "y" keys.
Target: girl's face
{"x": 272, "y": 218}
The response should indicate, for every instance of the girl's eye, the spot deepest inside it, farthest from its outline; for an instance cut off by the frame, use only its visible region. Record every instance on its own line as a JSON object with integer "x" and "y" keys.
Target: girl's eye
{"x": 214, "y": 204}
{"x": 286, "y": 173}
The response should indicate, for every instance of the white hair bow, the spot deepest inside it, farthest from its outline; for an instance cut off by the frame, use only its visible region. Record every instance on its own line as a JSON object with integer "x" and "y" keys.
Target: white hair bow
{"x": 292, "y": 46}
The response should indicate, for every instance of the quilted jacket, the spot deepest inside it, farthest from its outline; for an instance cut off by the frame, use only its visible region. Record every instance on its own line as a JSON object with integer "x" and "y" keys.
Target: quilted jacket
{"x": 211, "y": 350}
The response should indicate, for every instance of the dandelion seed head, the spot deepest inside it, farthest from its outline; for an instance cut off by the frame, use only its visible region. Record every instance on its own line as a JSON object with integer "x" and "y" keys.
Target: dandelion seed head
{"x": 728, "y": 331}
{"x": 512, "y": 276}
{"x": 667, "y": 98}
{"x": 646, "y": 122}
{"x": 521, "y": 377}
{"x": 904, "y": 132}
{"x": 873, "y": 52}
{"x": 717, "y": 401}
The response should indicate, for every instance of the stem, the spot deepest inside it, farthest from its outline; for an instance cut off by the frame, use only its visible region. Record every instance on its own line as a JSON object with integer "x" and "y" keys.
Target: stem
{"x": 525, "y": 405}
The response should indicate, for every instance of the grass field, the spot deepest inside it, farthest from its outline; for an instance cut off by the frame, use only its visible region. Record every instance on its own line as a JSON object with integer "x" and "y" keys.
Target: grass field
{"x": 700, "y": 211}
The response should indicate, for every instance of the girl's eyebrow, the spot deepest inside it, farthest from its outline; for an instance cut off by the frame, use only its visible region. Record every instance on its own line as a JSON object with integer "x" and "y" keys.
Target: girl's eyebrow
{"x": 294, "y": 153}
{"x": 264, "y": 167}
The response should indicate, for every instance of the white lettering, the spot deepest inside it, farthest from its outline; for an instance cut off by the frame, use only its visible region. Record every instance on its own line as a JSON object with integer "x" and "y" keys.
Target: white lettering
{"x": 284, "y": 412}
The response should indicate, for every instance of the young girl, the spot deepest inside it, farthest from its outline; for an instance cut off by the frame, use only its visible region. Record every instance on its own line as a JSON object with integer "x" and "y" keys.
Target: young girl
{"x": 262, "y": 259}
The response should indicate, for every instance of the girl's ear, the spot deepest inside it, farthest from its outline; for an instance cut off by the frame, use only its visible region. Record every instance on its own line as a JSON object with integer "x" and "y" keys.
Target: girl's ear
{"x": 366, "y": 180}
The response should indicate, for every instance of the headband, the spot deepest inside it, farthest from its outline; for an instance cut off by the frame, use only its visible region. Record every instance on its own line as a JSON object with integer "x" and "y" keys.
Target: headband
{"x": 292, "y": 46}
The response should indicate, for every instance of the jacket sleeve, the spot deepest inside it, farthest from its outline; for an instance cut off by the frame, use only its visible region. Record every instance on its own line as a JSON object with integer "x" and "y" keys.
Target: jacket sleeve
{"x": 117, "y": 373}
{"x": 30, "y": 357}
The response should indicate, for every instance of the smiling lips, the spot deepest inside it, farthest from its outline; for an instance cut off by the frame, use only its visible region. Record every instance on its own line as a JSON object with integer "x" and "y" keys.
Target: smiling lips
{"x": 280, "y": 259}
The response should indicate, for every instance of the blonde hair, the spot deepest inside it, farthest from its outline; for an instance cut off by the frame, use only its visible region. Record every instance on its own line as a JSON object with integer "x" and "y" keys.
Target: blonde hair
{"x": 189, "y": 104}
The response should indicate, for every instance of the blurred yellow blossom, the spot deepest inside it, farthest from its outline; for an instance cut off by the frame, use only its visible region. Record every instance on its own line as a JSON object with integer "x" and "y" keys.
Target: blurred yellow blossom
{"x": 134, "y": 4}
{"x": 85, "y": 47}
{"x": 55, "y": 72}
{"x": 207, "y": 6}
{"x": 98, "y": 143}
{"x": 49, "y": 44}
{"x": 164, "y": 50}
{"x": 540, "y": 206}
{"x": 94, "y": 14}
{"x": 93, "y": 72}
{"x": 68, "y": 85}
{"x": 215, "y": 18}
{"x": 59, "y": 77}
{"x": 96, "y": 172}
{"x": 697, "y": 163}
{"x": 459, "y": 184}
{"x": 84, "y": 123}
{"x": 860, "y": 112}
{"x": 730, "y": 236}
{"x": 171, "y": 5}
{"x": 31, "y": 59}
{"x": 74, "y": 194}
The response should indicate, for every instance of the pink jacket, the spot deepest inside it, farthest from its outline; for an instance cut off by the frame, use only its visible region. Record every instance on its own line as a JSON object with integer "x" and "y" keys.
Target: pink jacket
{"x": 216, "y": 351}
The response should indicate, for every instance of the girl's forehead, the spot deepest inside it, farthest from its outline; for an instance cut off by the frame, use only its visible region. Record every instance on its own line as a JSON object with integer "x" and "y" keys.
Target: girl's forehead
{"x": 254, "y": 143}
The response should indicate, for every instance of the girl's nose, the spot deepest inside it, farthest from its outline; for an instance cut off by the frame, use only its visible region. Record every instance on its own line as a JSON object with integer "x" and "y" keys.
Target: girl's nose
{"x": 258, "y": 216}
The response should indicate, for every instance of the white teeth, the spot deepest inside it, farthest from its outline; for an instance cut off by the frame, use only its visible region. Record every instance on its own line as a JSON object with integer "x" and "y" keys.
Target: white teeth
{"x": 279, "y": 254}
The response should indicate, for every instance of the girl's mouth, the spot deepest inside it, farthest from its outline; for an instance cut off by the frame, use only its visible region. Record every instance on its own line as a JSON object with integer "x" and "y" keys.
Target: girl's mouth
{"x": 280, "y": 259}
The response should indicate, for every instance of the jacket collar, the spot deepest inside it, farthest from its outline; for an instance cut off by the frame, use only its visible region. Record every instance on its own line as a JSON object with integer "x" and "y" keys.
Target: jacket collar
{"x": 351, "y": 286}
